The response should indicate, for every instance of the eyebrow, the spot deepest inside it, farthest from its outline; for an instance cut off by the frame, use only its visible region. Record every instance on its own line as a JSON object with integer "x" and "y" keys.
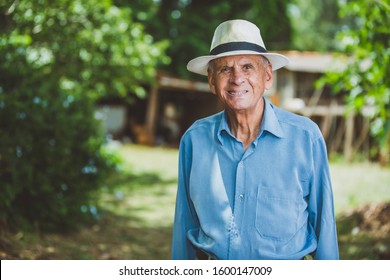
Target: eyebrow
{"x": 251, "y": 63}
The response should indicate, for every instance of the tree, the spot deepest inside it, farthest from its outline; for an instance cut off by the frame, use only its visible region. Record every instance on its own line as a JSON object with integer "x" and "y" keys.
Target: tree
{"x": 315, "y": 24}
{"x": 57, "y": 58}
{"x": 367, "y": 42}
{"x": 189, "y": 25}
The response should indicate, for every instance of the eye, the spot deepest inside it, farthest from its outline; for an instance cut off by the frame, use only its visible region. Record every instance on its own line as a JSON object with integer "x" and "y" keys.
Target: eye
{"x": 247, "y": 66}
{"x": 224, "y": 69}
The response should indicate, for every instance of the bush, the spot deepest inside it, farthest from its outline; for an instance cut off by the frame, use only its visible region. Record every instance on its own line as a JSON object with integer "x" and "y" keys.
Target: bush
{"x": 52, "y": 159}
{"x": 57, "y": 59}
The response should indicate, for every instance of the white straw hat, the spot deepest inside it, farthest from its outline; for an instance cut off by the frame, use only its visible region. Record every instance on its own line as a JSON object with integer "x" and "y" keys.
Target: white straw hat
{"x": 236, "y": 37}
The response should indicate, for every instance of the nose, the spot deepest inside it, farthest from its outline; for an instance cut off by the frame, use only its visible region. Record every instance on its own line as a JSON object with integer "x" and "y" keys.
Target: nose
{"x": 236, "y": 77}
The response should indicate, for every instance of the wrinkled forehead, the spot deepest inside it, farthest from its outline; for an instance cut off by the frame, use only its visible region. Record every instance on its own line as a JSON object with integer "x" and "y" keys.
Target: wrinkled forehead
{"x": 238, "y": 59}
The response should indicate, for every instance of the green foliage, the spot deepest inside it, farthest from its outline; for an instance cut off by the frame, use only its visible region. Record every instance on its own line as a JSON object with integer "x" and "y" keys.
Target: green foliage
{"x": 94, "y": 47}
{"x": 315, "y": 24}
{"x": 189, "y": 25}
{"x": 366, "y": 79}
{"x": 57, "y": 58}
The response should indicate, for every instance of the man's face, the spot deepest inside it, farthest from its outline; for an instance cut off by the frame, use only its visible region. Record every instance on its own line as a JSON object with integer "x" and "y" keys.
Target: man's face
{"x": 240, "y": 81}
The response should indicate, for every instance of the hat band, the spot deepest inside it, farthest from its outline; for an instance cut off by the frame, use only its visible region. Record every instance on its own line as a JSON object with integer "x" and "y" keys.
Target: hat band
{"x": 237, "y": 46}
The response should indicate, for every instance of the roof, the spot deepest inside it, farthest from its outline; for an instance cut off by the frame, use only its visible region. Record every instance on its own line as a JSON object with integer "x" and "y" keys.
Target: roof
{"x": 314, "y": 62}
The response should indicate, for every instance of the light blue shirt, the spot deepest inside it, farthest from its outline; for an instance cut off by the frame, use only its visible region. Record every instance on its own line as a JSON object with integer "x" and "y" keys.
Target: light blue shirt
{"x": 272, "y": 201}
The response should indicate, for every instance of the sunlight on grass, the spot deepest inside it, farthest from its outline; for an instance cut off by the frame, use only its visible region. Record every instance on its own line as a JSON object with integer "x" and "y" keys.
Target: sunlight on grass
{"x": 147, "y": 195}
{"x": 356, "y": 184}
{"x": 140, "y": 159}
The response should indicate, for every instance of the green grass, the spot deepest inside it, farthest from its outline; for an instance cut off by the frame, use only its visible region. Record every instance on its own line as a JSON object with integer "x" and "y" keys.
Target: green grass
{"x": 137, "y": 208}
{"x": 356, "y": 184}
{"x": 147, "y": 187}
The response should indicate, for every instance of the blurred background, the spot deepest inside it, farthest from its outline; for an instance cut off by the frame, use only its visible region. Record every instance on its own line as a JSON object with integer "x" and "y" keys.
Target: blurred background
{"x": 94, "y": 97}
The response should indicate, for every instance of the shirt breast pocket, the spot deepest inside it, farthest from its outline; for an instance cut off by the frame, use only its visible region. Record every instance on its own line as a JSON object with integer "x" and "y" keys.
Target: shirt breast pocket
{"x": 277, "y": 213}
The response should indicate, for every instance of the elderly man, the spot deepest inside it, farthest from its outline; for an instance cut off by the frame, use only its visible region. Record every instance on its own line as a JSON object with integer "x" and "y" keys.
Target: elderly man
{"x": 253, "y": 179}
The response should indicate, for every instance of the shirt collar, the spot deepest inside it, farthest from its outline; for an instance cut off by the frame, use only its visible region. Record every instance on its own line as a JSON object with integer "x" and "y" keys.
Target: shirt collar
{"x": 270, "y": 123}
{"x": 223, "y": 127}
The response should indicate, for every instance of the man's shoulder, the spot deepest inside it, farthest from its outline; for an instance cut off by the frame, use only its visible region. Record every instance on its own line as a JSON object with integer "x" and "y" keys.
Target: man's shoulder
{"x": 207, "y": 123}
{"x": 296, "y": 121}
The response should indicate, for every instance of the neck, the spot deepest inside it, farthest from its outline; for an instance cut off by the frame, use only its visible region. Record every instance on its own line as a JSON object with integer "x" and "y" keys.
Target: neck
{"x": 245, "y": 126}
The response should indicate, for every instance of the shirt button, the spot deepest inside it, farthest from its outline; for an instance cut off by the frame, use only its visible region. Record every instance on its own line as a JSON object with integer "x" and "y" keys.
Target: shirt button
{"x": 241, "y": 196}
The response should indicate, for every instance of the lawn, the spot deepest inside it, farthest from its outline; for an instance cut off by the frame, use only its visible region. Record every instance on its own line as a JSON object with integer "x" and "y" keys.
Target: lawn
{"x": 356, "y": 184}
{"x": 137, "y": 206}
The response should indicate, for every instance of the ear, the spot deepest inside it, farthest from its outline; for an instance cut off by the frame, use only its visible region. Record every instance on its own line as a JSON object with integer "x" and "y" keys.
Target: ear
{"x": 268, "y": 77}
{"x": 210, "y": 78}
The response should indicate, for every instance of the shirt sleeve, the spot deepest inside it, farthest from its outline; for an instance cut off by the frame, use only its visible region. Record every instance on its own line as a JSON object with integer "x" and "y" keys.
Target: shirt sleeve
{"x": 185, "y": 217}
{"x": 321, "y": 206}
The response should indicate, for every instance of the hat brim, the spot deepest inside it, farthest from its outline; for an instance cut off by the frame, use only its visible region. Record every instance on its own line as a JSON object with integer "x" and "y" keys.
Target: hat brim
{"x": 199, "y": 65}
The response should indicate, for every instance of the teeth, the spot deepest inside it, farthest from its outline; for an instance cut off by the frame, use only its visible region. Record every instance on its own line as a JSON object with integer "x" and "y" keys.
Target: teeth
{"x": 237, "y": 93}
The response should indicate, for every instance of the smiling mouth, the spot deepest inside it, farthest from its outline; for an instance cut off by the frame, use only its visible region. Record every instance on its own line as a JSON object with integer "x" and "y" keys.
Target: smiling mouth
{"x": 237, "y": 92}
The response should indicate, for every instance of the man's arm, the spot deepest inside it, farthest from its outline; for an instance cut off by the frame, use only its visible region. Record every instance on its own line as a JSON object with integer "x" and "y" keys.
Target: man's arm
{"x": 185, "y": 217}
{"x": 321, "y": 206}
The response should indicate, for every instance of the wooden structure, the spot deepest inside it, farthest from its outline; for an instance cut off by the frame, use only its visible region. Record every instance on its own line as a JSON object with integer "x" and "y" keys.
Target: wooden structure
{"x": 344, "y": 132}
{"x": 168, "y": 83}
{"x": 192, "y": 100}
